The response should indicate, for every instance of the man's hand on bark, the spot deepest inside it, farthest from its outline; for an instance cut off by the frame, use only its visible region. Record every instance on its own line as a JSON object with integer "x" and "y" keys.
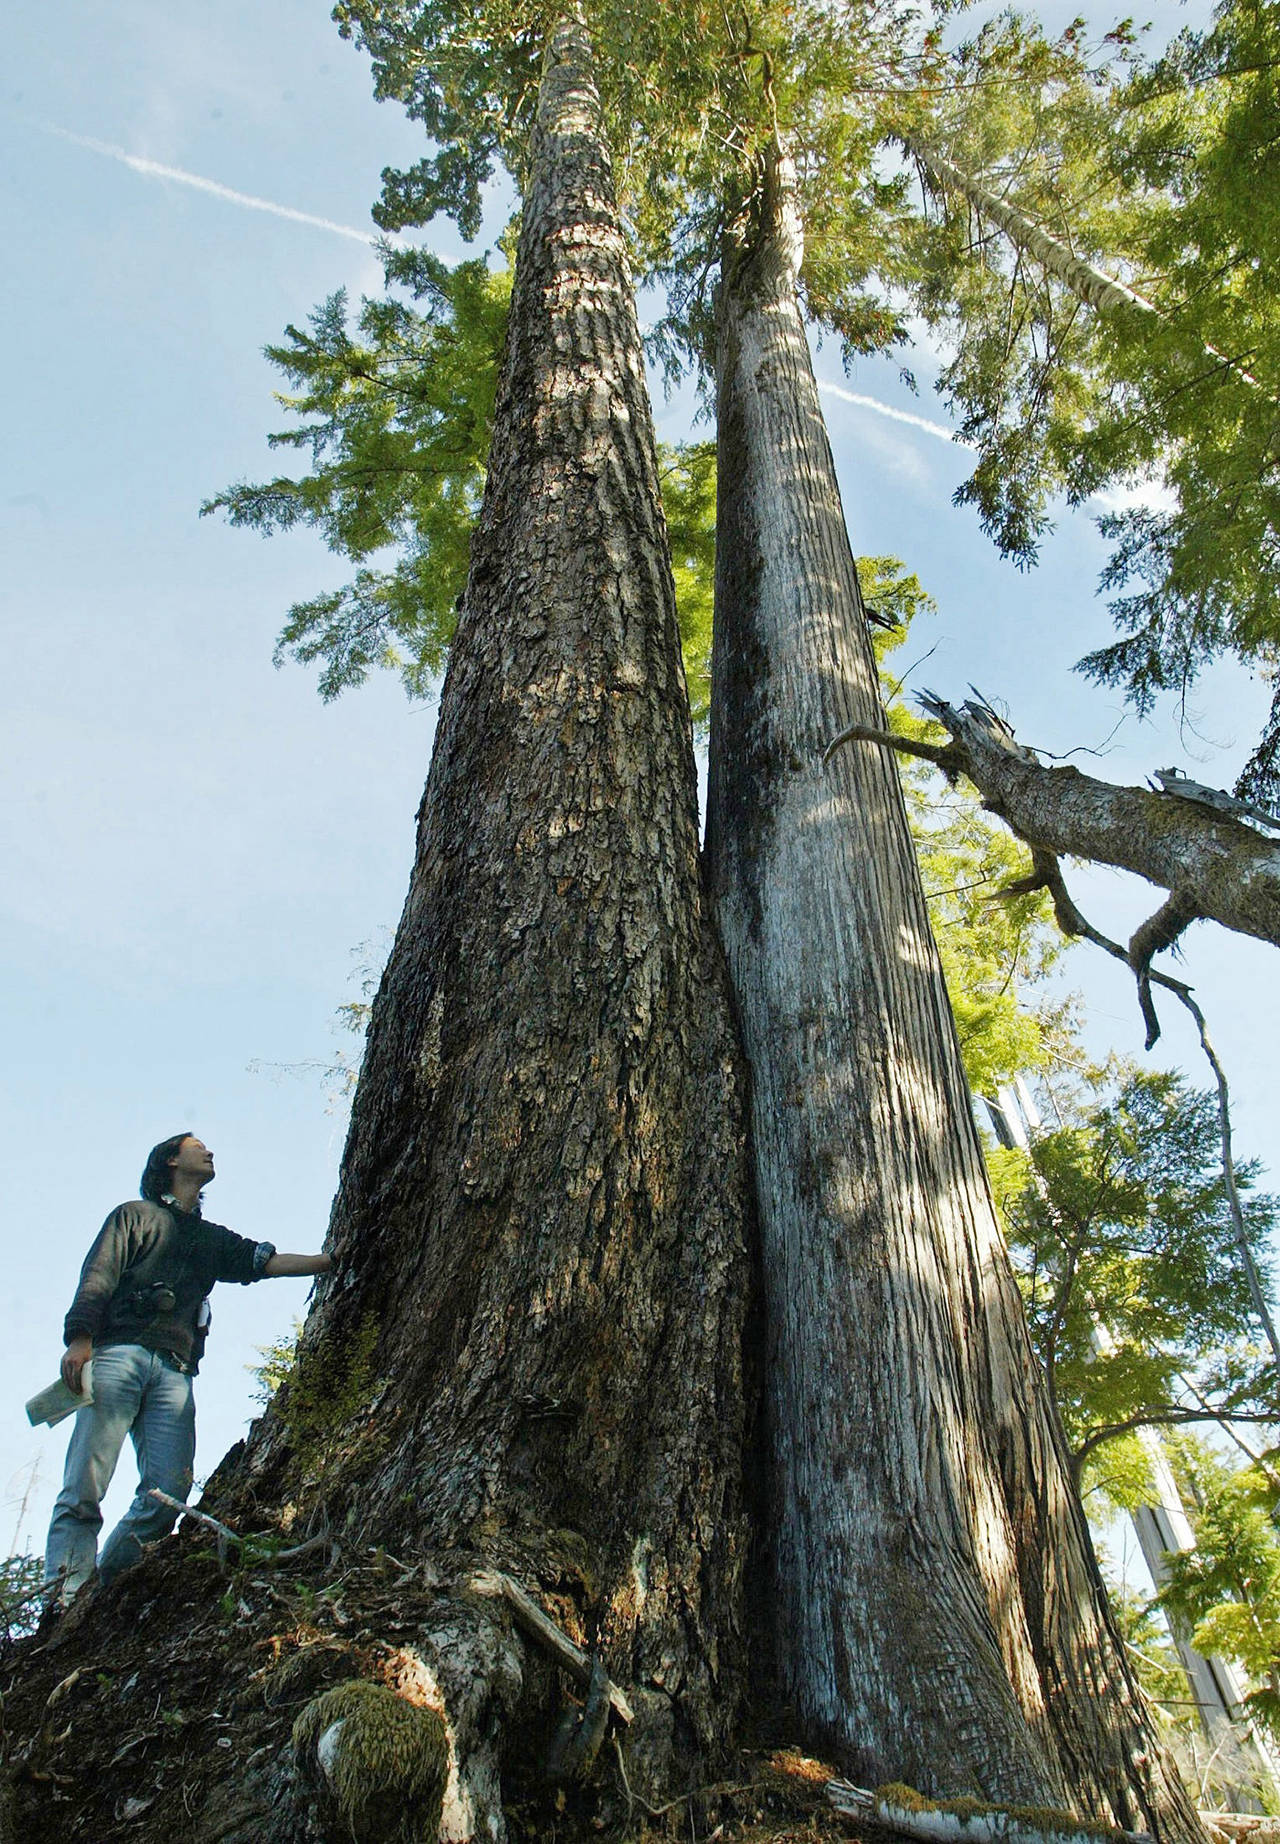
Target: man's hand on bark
{"x": 74, "y": 1359}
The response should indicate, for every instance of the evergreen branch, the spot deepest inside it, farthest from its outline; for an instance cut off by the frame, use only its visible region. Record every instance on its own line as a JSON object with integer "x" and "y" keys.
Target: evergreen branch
{"x": 1084, "y": 279}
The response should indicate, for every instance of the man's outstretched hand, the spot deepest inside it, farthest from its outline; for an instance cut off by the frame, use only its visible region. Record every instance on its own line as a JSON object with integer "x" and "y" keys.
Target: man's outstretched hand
{"x": 74, "y": 1359}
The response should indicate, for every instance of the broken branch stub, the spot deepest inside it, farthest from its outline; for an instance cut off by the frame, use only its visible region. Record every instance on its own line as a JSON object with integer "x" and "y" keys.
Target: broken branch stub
{"x": 1214, "y": 865}
{"x": 493, "y": 1583}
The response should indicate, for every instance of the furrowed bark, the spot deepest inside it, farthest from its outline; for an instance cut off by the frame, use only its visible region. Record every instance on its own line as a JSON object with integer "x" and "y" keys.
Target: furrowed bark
{"x": 1214, "y": 867}
{"x": 544, "y": 1197}
{"x": 941, "y": 1619}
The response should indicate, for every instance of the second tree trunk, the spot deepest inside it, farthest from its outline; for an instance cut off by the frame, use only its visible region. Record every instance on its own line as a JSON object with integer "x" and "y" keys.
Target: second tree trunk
{"x": 940, "y": 1617}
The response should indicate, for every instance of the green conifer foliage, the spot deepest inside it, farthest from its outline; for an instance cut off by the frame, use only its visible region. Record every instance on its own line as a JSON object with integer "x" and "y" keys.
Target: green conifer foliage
{"x": 1167, "y": 176}
{"x": 1136, "y": 1301}
{"x": 1227, "y": 1589}
{"x": 395, "y": 414}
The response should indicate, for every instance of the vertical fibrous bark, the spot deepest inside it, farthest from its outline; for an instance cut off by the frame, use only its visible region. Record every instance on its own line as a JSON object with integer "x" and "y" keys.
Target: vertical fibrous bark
{"x": 544, "y": 1193}
{"x": 940, "y": 1614}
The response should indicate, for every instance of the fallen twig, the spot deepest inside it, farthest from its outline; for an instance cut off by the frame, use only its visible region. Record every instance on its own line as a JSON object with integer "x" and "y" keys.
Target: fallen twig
{"x": 972, "y": 1824}
{"x": 269, "y": 1557}
{"x": 223, "y": 1532}
{"x": 721, "y": 1789}
{"x": 492, "y": 1583}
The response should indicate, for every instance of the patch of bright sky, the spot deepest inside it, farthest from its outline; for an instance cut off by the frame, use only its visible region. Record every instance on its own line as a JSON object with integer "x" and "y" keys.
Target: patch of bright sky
{"x": 196, "y": 846}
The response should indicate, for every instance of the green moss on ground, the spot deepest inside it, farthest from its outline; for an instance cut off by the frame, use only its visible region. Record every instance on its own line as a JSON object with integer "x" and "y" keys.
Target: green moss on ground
{"x": 388, "y": 1774}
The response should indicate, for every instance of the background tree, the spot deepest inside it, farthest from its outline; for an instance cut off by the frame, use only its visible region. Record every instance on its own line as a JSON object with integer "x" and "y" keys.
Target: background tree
{"x": 1119, "y": 1219}
{"x": 1165, "y": 175}
{"x": 1228, "y": 1588}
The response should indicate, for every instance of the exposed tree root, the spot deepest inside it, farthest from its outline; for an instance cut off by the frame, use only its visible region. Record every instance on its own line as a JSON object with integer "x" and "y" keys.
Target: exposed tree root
{"x": 188, "y": 1702}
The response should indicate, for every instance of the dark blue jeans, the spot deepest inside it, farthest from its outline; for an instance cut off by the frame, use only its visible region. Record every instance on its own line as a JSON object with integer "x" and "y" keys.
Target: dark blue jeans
{"x": 136, "y": 1393}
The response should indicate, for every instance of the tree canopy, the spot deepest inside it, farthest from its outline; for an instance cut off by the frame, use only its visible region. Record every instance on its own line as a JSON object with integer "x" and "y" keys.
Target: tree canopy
{"x": 1122, "y": 1231}
{"x": 1160, "y": 170}
{"x": 1165, "y": 173}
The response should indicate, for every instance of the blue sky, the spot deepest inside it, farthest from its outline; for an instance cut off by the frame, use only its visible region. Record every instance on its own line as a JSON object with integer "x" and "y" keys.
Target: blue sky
{"x": 196, "y": 847}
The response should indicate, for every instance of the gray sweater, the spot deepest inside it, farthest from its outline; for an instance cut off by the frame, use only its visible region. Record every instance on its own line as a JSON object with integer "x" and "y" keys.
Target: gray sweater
{"x": 147, "y": 1273}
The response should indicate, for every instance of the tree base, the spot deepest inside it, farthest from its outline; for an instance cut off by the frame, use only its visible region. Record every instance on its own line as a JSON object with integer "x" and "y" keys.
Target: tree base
{"x": 167, "y": 1706}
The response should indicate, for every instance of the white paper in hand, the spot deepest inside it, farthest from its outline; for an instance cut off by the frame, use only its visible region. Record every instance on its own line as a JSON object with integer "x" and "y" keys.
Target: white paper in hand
{"x": 54, "y": 1404}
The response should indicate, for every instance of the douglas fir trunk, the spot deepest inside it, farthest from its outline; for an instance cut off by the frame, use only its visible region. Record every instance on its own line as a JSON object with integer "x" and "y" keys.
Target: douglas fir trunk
{"x": 541, "y": 1233}
{"x": 940, "y": 1614}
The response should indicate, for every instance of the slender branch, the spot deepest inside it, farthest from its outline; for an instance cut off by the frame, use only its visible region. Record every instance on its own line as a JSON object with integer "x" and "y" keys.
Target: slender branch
{"x": 1047, "y": 872}
{"x": 1229, "y": 1178}
{"x": 1156, "y": 1418}
{"x": 1225, "y": 1421}
{"x": 225, "y": 1534}
{"x": 943, "y": 755}
{"x": 223, "y": 1531}
{"x": 723, "y": 1788}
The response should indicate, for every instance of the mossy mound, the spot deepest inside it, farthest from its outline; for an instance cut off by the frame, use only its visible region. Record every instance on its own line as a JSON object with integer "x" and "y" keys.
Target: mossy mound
{"x": 384, "y": 1770}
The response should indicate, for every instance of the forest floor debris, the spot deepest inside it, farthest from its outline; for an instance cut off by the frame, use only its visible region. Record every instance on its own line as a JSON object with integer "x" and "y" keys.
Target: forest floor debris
{"x": 110, "y": 1733}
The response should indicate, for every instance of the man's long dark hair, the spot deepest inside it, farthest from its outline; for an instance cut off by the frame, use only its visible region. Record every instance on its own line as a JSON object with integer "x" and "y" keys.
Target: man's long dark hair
{"x": 157, "y": 1178}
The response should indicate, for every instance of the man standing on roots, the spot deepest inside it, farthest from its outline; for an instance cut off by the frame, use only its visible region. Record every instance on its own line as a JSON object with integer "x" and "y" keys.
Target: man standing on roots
{"x": 141, "y": 1311}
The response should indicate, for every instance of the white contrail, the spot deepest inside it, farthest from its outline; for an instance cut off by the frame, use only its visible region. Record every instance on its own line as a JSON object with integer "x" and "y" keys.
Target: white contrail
{"x": 1146, "y": 492}
{"x": 898, "y": 416}
{"x": 154, "y": 170}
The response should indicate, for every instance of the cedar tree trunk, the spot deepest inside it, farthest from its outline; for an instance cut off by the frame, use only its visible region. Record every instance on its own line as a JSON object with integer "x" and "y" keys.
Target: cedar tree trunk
{"x": 940, "y": 1615}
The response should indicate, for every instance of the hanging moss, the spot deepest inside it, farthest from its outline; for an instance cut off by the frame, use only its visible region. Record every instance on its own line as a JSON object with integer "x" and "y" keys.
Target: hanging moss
{"x": 386, "y": 1779}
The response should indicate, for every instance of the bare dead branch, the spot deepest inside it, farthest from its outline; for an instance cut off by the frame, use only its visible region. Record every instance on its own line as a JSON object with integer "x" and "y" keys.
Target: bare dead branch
{"x": 1229, "y": 1178}
{"x": 223, "y": 1531}
{"x": 939, "y": 754}
{"x": 1212, "y": 864}
{"x": 1047, "y": 874}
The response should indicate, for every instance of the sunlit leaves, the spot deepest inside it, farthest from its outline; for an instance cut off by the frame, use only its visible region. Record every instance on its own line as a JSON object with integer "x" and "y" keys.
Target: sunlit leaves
{"x": 687, "y": 476}
{"x": 1169, "y": 177}
{"x": 1123, "y": 1237}
{"x": 1227, "y": 1590}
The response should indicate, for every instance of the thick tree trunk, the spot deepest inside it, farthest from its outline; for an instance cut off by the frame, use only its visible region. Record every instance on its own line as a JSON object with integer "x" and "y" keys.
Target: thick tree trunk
{"x": 544, "y": 1198}
{"x": 941, "y": 1616}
